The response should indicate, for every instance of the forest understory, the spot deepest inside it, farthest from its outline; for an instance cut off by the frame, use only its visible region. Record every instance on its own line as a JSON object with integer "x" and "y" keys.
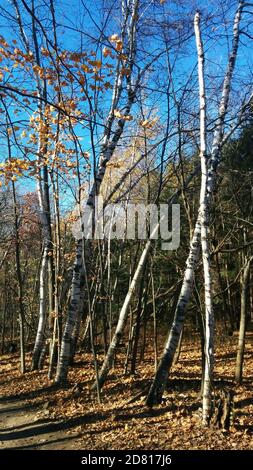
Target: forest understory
{"x": 122, "y": 421}
{"x": 126, "y": 225}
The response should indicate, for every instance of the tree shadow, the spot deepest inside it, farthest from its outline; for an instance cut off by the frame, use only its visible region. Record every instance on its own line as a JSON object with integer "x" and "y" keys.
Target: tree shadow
{"x": 15, "y": 409}
{"x": 35, "y": 393}
{"x": 231, "y": 355}
{"x": 184, "y": 383}
{"x": 245, "y": 402}
{"x": 244, "y": 427}
{"x": 117, "y": 387}
{"x": 187, "y": 362}
{"x": 47, "y": 427}
{"x": 42, "y": 444}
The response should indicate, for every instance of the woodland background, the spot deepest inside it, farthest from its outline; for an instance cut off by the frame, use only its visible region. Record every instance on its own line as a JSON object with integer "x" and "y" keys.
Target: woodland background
{"x": 140, "y": 102}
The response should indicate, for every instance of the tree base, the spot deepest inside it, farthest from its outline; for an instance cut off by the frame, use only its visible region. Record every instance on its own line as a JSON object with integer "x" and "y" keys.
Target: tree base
{"x": 223, "y": 414}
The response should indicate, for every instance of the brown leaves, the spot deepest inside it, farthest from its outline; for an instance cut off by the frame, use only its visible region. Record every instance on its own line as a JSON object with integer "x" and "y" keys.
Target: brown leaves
{"x": 148, "y": 123}
{"x": 107, "y": 52}
{"x": 13, "y": 168}
{"x": 95, "y": 63}
{"x": 125, "y": 72}
{"x": 117, "y": 41}
{"x": 125, "y": 117}
{"x": 119, "y": 424}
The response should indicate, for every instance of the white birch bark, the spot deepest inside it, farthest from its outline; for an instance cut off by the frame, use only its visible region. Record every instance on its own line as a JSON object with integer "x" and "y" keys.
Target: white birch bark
{"x": 65, "y": 354}
{"x": 160, "y": 380}
{"x": 108, "y": 361}
{"x": 44, "y": 205}
{"x": 108, "y": 147}
{"x": 47, "y": 246}
{"x": 107, "y": 364}
{"x": 204, "y": 220}
{"x": 40, "y": 335}
{"x": 242, "y": 330}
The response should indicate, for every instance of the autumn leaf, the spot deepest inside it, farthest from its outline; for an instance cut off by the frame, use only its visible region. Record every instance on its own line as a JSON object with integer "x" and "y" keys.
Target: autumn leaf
{"x": 125, "y": 71}
{"x": 108, "y": 85}
{"x": 119, "y": 45}
{"x": 96, "y": 63}
{"x": 85, "y": 68}
{"x": 117, "y": 113}
{"x": 126, "y": 117}
{"x": 114, "y": 37}
{"x": 107, "y": 52}
{"x": 148, "y": 124}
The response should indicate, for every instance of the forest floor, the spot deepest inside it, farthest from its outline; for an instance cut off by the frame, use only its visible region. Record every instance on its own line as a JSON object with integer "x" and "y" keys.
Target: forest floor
{"x": 34, "y": 414}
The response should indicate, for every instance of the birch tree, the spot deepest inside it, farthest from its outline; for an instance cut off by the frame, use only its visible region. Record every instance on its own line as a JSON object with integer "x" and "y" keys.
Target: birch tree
{"x": 204, "y": 221}
{"x": 159, "y": 383}
{"x": 108, "y": 147}
{"x": 242, "y": 329}
{"x": 42, "y": 191}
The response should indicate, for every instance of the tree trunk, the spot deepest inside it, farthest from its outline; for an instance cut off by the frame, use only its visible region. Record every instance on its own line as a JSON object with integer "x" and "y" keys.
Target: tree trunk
{"x": 242, "y": 330}
{"x": 159, "y": 383}
{"x": 20, "y": 284}
{"x": 137, "y": 324}
{"x": 40, "y": 336}
{"x": 108, "y": 148}
{"x": 65, "y": 355}
{"x": 107, "y": 364}
{"x": 204, "y": 219}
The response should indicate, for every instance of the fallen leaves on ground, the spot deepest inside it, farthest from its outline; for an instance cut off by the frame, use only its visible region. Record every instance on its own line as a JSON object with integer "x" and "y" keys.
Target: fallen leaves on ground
{"x": 122, "y": 422}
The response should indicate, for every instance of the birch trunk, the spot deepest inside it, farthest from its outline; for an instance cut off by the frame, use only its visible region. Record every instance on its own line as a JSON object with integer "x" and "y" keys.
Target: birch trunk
{"x": 242, "y": 330}
{"x": 159, "y": 383}
{"x": 65, "y": 354}
{"x": 204, "y": 218}
{"x": 40, "y": 335}
{"x": 21, "y": 317}
{"x": 107, "y": 364}
{"x": 44, "y": 202}
{"x": 20, "y": 282}
{"x": 4, "y": 299}
{"x": 108, "y": 148}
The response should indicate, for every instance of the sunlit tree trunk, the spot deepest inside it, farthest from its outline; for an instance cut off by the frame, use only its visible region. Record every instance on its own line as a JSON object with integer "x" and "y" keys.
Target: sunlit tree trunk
{"x": 47, "y": 267}
{"x": 242, "y": 330}
{"x": 204, "y": 219}
{"x": 20, "y": 284}
{"x": 108, "y": 148}
{"x": 159, "y": 383}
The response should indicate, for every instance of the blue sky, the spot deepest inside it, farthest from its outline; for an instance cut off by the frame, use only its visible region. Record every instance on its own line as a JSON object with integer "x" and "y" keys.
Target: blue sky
{"x": 86, "y": 17}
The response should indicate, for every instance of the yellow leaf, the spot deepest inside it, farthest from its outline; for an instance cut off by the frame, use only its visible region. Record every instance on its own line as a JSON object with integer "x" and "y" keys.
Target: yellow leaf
{"x": 125, "y": 71}
{"x": 96, "y": 63}
{"x": 108, "y": 85}
{"x": 119, "y": 45}
{"x": 85, "y": 68}
{"x": 126, "y": 117}
{"x": 117, "y": 113}
{"x": 107, "y": 52}
{"x": 114, "y": 37}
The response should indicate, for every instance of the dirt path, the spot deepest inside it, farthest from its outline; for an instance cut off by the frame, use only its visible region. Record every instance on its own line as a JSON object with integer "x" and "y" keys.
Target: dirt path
{"x": 28, "y": 426}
